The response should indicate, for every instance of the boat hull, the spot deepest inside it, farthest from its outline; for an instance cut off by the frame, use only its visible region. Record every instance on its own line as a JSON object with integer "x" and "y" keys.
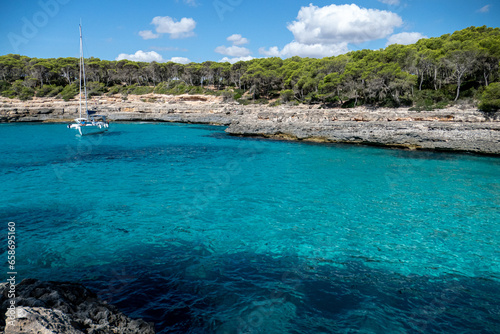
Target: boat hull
{"x": 90, "y": 129}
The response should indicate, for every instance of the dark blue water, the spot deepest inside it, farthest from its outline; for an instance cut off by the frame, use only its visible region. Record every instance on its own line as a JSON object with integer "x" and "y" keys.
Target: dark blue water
{"x": 200, "y": 232}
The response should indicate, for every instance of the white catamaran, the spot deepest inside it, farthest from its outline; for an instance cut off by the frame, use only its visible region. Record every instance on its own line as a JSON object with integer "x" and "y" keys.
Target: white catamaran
{"x": 92, "y": 123}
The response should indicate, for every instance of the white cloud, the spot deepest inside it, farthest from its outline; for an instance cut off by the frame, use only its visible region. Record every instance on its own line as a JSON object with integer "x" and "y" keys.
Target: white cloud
{"x": 237, "y": 39}
{"x": 141, "y": 56}
{"x": 176, "y": 29}
{"x": 148, "y": 34}
{"x": 314, "y": 50}
{"x": 405, "y": 38}
{"x": 180, "y": 60}
{"x": 390, "y": 2}
{"x": 233, "y": 51}
{"x": 484, "y": 9}
{"x": 342, "y": 23}
{"x": 273, "y": 51}
{"x": 237, "y": 52}
{"x": 306, "y": 50}
{"x": 235, "y": 59}
{"x": 151, "y": 56}
{"x": 327, "y": 31}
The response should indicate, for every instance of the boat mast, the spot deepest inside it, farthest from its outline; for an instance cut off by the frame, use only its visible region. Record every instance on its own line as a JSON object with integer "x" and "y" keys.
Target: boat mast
{"x": 81, "y": 58}
{"x": 83, "y": 72}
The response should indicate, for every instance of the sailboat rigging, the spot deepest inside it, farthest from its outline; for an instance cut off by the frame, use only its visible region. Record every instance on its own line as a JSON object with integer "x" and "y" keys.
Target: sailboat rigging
{"x": 92, "y": 123}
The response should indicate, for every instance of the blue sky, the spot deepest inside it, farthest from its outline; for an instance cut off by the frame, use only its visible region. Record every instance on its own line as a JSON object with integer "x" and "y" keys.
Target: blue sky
{"x": 199, "y": 30}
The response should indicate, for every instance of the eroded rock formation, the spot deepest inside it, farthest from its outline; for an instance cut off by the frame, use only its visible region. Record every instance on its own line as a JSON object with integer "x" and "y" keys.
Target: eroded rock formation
{"x": 63, "y": 307}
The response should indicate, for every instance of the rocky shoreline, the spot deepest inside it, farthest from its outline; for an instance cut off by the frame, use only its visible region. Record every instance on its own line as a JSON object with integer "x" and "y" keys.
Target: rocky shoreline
{"x": 447, "y": 130}
{"x": 62, "y": 307}
{"x": 451, "y": 129}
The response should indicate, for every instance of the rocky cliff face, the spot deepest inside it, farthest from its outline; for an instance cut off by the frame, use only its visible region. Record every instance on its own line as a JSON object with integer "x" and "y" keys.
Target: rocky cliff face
{"x": 150, "y": 107}
{"x": 70, "y": 308}
{"x": 448, "y": 129}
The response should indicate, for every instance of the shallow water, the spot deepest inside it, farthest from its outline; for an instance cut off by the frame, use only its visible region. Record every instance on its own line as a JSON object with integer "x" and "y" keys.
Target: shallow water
{"x": 200, "y": 232}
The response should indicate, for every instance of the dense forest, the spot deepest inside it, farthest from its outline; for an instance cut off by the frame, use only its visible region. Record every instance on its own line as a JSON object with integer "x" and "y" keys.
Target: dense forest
{"x": 432, "y": 73}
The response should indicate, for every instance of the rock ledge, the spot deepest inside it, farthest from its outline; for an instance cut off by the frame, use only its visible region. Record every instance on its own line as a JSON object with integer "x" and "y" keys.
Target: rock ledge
{"x": 64, "y": 307}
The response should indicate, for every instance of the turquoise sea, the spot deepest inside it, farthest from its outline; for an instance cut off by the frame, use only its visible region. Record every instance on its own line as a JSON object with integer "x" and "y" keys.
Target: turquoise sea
{"x": 200, "y": 232}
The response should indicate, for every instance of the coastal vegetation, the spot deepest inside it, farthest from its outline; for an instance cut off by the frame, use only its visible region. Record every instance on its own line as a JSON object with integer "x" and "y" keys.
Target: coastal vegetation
{"x": 432, "y": 73}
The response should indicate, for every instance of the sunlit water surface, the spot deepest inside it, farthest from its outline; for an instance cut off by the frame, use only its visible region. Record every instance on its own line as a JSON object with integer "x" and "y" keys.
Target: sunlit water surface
{"x": 200, "y": 232}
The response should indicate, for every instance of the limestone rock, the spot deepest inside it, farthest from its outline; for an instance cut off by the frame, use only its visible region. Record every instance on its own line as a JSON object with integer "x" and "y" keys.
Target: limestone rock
{"x": 453, "y": 130}
{"x": 41, "y": 320}
{"x": 64, "y": 307}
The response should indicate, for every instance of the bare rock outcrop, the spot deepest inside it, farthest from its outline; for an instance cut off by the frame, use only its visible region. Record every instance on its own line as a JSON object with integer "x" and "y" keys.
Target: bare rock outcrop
{"x": 150, "y": 107}
{"x": 63, "y": 307}
{"x": 450, "y": 129}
